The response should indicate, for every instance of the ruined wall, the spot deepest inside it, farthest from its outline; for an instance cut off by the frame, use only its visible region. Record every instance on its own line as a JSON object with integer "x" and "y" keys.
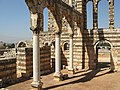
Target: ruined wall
{"x": 112, "y": 36}
{"x": 91, "y": 37}
{"x": 25, "y": 61}
{"x": 7, "y": 71}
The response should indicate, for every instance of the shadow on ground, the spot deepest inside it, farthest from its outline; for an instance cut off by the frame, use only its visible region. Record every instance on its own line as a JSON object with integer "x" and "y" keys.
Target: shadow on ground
{"x": 85, "y": 78}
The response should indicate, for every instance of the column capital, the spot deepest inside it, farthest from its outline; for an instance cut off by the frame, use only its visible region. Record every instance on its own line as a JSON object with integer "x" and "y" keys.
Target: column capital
{"x": 58, "y": 32}
{"x": 33, "y": 21}
{"x": 36, "y": 32}
{"x": 58, "y": 74}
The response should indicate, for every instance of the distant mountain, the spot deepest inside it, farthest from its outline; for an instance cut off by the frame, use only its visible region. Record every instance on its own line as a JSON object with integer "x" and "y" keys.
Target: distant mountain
{"x": 11, "y": 39}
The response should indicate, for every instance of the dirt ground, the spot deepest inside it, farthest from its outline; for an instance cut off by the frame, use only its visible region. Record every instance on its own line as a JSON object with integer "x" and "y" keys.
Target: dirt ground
{"x": 100, "y": 79}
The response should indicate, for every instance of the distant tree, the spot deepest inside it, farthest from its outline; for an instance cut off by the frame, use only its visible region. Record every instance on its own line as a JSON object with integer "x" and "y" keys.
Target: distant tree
{"x": 10, "y": 45}
{"x": 4, "y": 44}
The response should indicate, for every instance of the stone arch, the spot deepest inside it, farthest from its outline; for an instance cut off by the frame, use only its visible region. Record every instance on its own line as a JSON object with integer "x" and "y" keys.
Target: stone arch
{"x": 66, "y": 26}
{"x": 105, "y": 51}
{"x": 54, "y": 26}
{"x": 71, "y": 19}
{"x": 107, "y": 41}
{"x": 89, "y": 9}
{"x": 96, "y": 43}
{"x": 103, "y": 13}
{"x": 54, "y": 10}
{"x": 66, "y": 46}
{"x": 89, "y": 1}
{"x": 22, "y": 44}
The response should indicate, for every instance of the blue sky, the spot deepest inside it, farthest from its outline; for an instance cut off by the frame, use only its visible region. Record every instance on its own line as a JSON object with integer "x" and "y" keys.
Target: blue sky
{"x": 15, "y": 19}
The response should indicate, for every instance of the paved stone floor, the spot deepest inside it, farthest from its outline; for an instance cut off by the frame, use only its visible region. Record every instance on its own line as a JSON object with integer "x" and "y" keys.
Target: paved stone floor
{"x": 100, "y": 79}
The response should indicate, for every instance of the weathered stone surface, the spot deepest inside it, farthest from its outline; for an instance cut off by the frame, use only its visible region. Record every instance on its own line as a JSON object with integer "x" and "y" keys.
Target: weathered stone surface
{"x": 7, "y": 71}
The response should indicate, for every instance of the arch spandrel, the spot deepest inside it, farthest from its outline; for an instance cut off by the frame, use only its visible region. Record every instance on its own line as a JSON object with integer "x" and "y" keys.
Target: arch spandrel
{"x": 31, "y": 6}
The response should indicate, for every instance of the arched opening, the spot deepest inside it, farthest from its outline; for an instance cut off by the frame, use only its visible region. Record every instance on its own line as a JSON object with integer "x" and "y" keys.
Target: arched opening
{"x": 103, "y": 52}
{"x": 89, "y": 6}
{"x": 21, "y": 44}
{"x": 103, "y": 14}
{"x": 45, "y": 19}
{"x": 66, "y": 46}
{"x": 117, "y": 13}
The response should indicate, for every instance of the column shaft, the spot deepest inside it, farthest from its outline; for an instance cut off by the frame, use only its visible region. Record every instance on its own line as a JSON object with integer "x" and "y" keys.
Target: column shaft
{"x": 95, "y": 16}
{"x": 70, "y": 68}
{"x": 36, "y": 59}
{"x": 71, "y": 53}
{"x": 111, "y": 14}
{"x": 57, "y": 54}
{"x": 57, "y": 74}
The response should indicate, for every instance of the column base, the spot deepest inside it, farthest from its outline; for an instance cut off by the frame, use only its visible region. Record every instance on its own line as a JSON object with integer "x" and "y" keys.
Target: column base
{"x": 114, "y": 68}
{"x": 71, "y": 70}
{"x": 36, "y": 85}
{"x": 58, "y": 76}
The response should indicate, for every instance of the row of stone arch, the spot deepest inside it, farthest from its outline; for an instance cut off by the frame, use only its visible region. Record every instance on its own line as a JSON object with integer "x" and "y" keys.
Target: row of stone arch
{"x": 58, "y": 12}
{"x": 103, "y": 13}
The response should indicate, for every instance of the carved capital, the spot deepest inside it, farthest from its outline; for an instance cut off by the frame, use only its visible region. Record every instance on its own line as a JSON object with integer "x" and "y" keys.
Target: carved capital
{"x": 34, "y": 21}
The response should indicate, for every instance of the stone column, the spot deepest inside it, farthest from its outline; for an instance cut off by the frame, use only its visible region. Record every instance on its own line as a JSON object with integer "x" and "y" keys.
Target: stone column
{"x": 111, "y": 14}
{"x": 57, "y": 74}
{"x": 95, "y": 16}
{"x": 70, "y": 68}
{"x": 37, "y": 84}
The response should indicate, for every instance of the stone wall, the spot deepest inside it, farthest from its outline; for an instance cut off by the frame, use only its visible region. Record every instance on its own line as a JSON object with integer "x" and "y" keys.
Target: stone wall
{"x": 25, "y": 61}
{"x": 7, "y": 71}
{"x": 11, "y": 52}
{"x": 92, "y": 37}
